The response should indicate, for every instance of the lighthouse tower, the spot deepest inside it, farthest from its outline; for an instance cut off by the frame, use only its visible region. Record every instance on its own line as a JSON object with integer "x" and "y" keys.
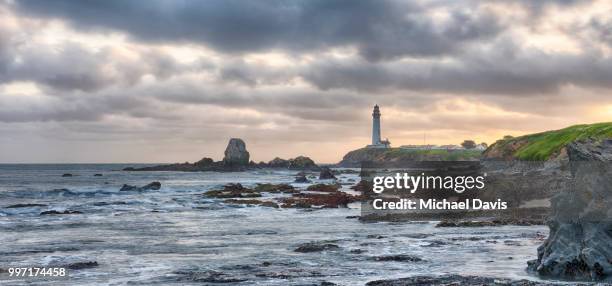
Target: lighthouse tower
{"x": 376, "y": 139}
{"x": 376, "y": 126}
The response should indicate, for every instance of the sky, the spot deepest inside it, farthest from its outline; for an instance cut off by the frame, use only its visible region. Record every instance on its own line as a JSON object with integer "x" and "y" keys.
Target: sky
{"x": 173, "y": 81}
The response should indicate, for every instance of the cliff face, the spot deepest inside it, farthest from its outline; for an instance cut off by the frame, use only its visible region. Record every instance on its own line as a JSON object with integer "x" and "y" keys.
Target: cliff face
{"x": 580, "y": 242}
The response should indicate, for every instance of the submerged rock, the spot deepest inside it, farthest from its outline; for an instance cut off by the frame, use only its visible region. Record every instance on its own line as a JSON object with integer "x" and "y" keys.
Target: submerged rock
{"x": 236, "y": 153}
{"x": 251, "y": 202}
{"x": 214, "y": 277}
{"x": 24, "y": 206}
{"x": 81, "y": 265}
{"x": 457, "y": 280}
{"x": 579, "y": 245}
{"x": 523, "y": 222}
{"x": 398, "y": 257}
{"x": 316, "y": 247}
{"x": 128, "y": 188}
{"x": 326, "y": 174}
{"x": 151, "y": 186}
{"x": 301, "y": 178}
{"x": 54, "y": 212}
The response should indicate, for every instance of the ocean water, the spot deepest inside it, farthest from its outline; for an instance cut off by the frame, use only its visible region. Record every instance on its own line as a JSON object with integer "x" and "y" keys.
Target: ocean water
{"x": 176, "y": 236}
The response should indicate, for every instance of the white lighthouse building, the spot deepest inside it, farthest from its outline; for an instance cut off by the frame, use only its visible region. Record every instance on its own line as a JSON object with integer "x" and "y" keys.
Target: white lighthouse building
{"x": 376, "y": 141}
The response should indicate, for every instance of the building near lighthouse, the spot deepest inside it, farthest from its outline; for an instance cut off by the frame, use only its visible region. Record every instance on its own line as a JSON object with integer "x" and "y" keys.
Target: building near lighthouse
{"x": 377, "y": 142}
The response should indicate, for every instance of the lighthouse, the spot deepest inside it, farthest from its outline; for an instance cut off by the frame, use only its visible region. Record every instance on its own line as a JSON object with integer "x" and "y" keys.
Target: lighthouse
{"x": 376, "y": 139}
{"x": 376, "y": 125}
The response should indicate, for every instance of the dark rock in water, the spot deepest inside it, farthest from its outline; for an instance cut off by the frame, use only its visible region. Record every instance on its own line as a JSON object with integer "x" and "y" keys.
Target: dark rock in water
{"x": 54, "y": 212}
{"x": 233, "y": 191}
{"x": 315, "y": 247}
{"x": 67, "y": 175}
{"x": 323, "y": 188}
{"x": 278, "y": 163}
{"x": 99, "y": 204}
{"x": 302, "y": 163}
{"x": 275, "y": 188}
{"x": 579, "y": 245}
{"x": 398, "y": 258}
{"x": 97, "y": 175}
{"x": 251, "y": 202}
{"x": 129, "y": 188}
{"x": 457, "y": 280}
{"x": 269, "y": 204}
{"x": 81, "y": 265}
{"x": 329, "y": 200}
{"x": 204, "y": 163}
{"x": 523, "y": 222}
{"x": 214, "y": 277}
{"x": 301, "y": 178}
{"x": 236, "y": 153}
{"x": 25, "y": 206}
{"x": 151, "y": 186}
{"x": 326, "y": 174}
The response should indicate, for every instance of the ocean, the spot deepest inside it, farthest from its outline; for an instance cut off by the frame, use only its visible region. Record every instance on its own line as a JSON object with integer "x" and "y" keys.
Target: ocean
{"x": 176, "y": 236}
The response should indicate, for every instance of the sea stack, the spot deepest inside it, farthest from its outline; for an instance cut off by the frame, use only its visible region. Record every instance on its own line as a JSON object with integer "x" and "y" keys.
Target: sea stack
{"x": 236, "y": 153}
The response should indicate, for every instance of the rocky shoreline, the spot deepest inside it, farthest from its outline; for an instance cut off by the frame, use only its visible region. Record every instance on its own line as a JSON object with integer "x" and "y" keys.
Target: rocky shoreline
{"x": 579, "y": 246}
{"x": 236, "y": 159}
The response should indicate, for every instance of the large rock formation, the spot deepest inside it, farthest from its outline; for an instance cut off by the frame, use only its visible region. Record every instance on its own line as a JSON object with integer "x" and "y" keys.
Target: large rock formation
{"x": 236, "y": 153}
{"x": 580, "y": 242}
{"x": 236, "y": 159}
{"x": 302, "y": 163}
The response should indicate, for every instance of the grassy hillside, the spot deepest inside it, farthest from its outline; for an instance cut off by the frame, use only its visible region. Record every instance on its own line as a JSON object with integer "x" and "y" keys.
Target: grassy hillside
{"x": 355, "y": 157}
{"x": 444, "y": 155}
{"x": 544, "y": 145}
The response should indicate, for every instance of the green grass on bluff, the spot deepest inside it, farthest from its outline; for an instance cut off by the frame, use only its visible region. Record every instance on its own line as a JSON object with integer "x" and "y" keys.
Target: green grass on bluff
{"x": 446, "y": 155}
{"x": 540, "y": 146}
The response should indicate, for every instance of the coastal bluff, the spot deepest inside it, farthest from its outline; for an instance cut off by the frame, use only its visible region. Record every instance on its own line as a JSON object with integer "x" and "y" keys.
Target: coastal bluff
{"x": 236, "y": 158}
{"x": 353, "y": 159}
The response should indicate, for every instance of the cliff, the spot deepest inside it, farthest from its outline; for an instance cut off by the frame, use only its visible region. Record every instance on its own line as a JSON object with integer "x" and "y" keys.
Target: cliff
{"x": 579, "y": 245}
{"x": 547, "y": 145}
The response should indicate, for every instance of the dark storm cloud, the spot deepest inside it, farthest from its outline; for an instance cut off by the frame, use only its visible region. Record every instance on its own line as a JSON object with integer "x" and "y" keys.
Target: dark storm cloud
{"x": 379, "y": 29}
{"x": 504, "y": 69}
{"x": 75, "y": 107}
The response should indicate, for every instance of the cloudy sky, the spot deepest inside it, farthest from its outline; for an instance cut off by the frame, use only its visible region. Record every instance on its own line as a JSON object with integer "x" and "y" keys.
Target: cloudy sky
{"x": 172, "y": 81}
